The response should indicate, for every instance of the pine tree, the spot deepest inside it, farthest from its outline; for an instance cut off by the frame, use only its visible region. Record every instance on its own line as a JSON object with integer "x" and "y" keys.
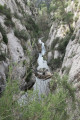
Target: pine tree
{"x": 59, "y": 8}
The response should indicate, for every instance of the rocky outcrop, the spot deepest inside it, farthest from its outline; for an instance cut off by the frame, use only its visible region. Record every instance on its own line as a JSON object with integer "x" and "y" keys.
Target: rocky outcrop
{"x": 18, "y": 50}
{"x": 70, "y": 54}
{"x": 71, "y": 62}
{"x": 43, "y": 74}
{"x": 15, "y": 5}
{"x": 15, "y": 48}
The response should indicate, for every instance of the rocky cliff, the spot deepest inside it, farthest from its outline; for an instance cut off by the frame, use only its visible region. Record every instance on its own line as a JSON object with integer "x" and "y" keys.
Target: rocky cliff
{"x": 64, "y": 48}
{"x": 18, "y": 33}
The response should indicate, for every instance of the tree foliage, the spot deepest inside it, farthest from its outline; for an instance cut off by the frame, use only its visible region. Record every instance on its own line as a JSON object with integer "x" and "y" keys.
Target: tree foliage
{"x": 61, "y": 13}
{"x": 51, "y": 107}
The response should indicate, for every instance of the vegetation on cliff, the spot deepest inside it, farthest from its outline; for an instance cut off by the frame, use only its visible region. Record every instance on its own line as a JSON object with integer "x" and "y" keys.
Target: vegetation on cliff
{"x": 54, "y": 106}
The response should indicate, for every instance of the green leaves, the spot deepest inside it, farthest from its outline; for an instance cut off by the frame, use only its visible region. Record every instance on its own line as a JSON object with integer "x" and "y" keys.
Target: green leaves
{"x": 2, "y": 30}
{"x": 60, "y": 12}
{"x": 5, "y": 11}
{"x": 21, "y": 34}
{"x": 68, "y": 17}
{"x": 54, "y": 106}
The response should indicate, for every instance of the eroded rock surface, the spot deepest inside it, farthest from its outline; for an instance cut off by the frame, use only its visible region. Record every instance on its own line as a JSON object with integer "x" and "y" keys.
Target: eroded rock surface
{"x": 16, "y": 52}
{"x": 70, "y": 59}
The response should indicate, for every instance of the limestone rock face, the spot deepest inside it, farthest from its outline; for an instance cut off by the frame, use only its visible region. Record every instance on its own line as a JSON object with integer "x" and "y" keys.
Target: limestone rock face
{"x": 15, "y": 48}
{"x": 56, "y": 54}
{"x": 49, "y": 56}
{"x": 18, "y": 24}
{"x": 16, "y": 52}
{"x": 13, "y": 5}
{"x": 71, "y": 58}
{"x": 52, "y": 35}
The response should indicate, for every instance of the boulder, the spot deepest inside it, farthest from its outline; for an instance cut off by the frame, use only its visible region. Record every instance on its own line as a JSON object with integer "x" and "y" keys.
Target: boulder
{"x": 43, "y": 74}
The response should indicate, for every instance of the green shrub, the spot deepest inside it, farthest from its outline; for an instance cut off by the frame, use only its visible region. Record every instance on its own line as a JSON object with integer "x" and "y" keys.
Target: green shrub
{"x": 76, "y": 3}
{"x": 54, "y": 106}
{"x": 5, "y": 11}
{"x": 28, "y": 26}
{"x": 9, "y": 106}
{"x": 21, "y": 34}
{"x": 55, "y": 63}
{"x": 44, "y": 26}
{"x": 9, "y": 23}
{"x": 2, "y": 57}
{"x": 63, "y": 43}
{"x": 73, "y": 37}
{"x": 29, "y": 74}
{"x": 55, "y": 41}
{"x": 31, "y": 26}
{"x": 24, "y": 47}
{"x": 76, "y": 18}
{"x": 63, "y": 83}
{"x": 2, "y": 30}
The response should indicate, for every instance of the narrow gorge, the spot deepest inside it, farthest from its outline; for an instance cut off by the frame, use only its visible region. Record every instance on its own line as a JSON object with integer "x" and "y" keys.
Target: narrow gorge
{"x": 41, "y": 84}
{"x": 39, "y": 59}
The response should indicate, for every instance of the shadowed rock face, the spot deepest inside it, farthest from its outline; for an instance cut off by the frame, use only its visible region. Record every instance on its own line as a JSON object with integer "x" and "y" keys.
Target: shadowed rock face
{"x": 28, "y": 85}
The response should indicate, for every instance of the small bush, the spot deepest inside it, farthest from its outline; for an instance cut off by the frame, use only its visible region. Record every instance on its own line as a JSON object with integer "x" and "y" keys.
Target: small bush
{"x": 62, "y": 82}
{"x": 55, "y": 41}
{"x": 73, "y": 37}
{"x": 24, "y": 47}
{"x": 5, "y": 39}
{"x": 9, "y": 23}
{"x": 31, "y": 26}
{"x": 76, "y": 18}
{"x": 5, "y": 11}
{"x": 54, "y": 106}
{"x": 55, "y": 63}
{"x": 21, "y": 34}
{"x": 2, "y": 57}
{"x": 63, "y": 43}
{"x": 9, "y": 106}
{"x": 29, "y": 74}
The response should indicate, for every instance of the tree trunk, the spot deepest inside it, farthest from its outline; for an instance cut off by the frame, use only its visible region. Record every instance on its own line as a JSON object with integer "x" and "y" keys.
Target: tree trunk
{"x": 70, "y": 27}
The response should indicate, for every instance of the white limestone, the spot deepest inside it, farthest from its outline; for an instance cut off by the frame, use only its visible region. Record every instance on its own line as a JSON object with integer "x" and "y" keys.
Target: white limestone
{"x": 15, "y": 48}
